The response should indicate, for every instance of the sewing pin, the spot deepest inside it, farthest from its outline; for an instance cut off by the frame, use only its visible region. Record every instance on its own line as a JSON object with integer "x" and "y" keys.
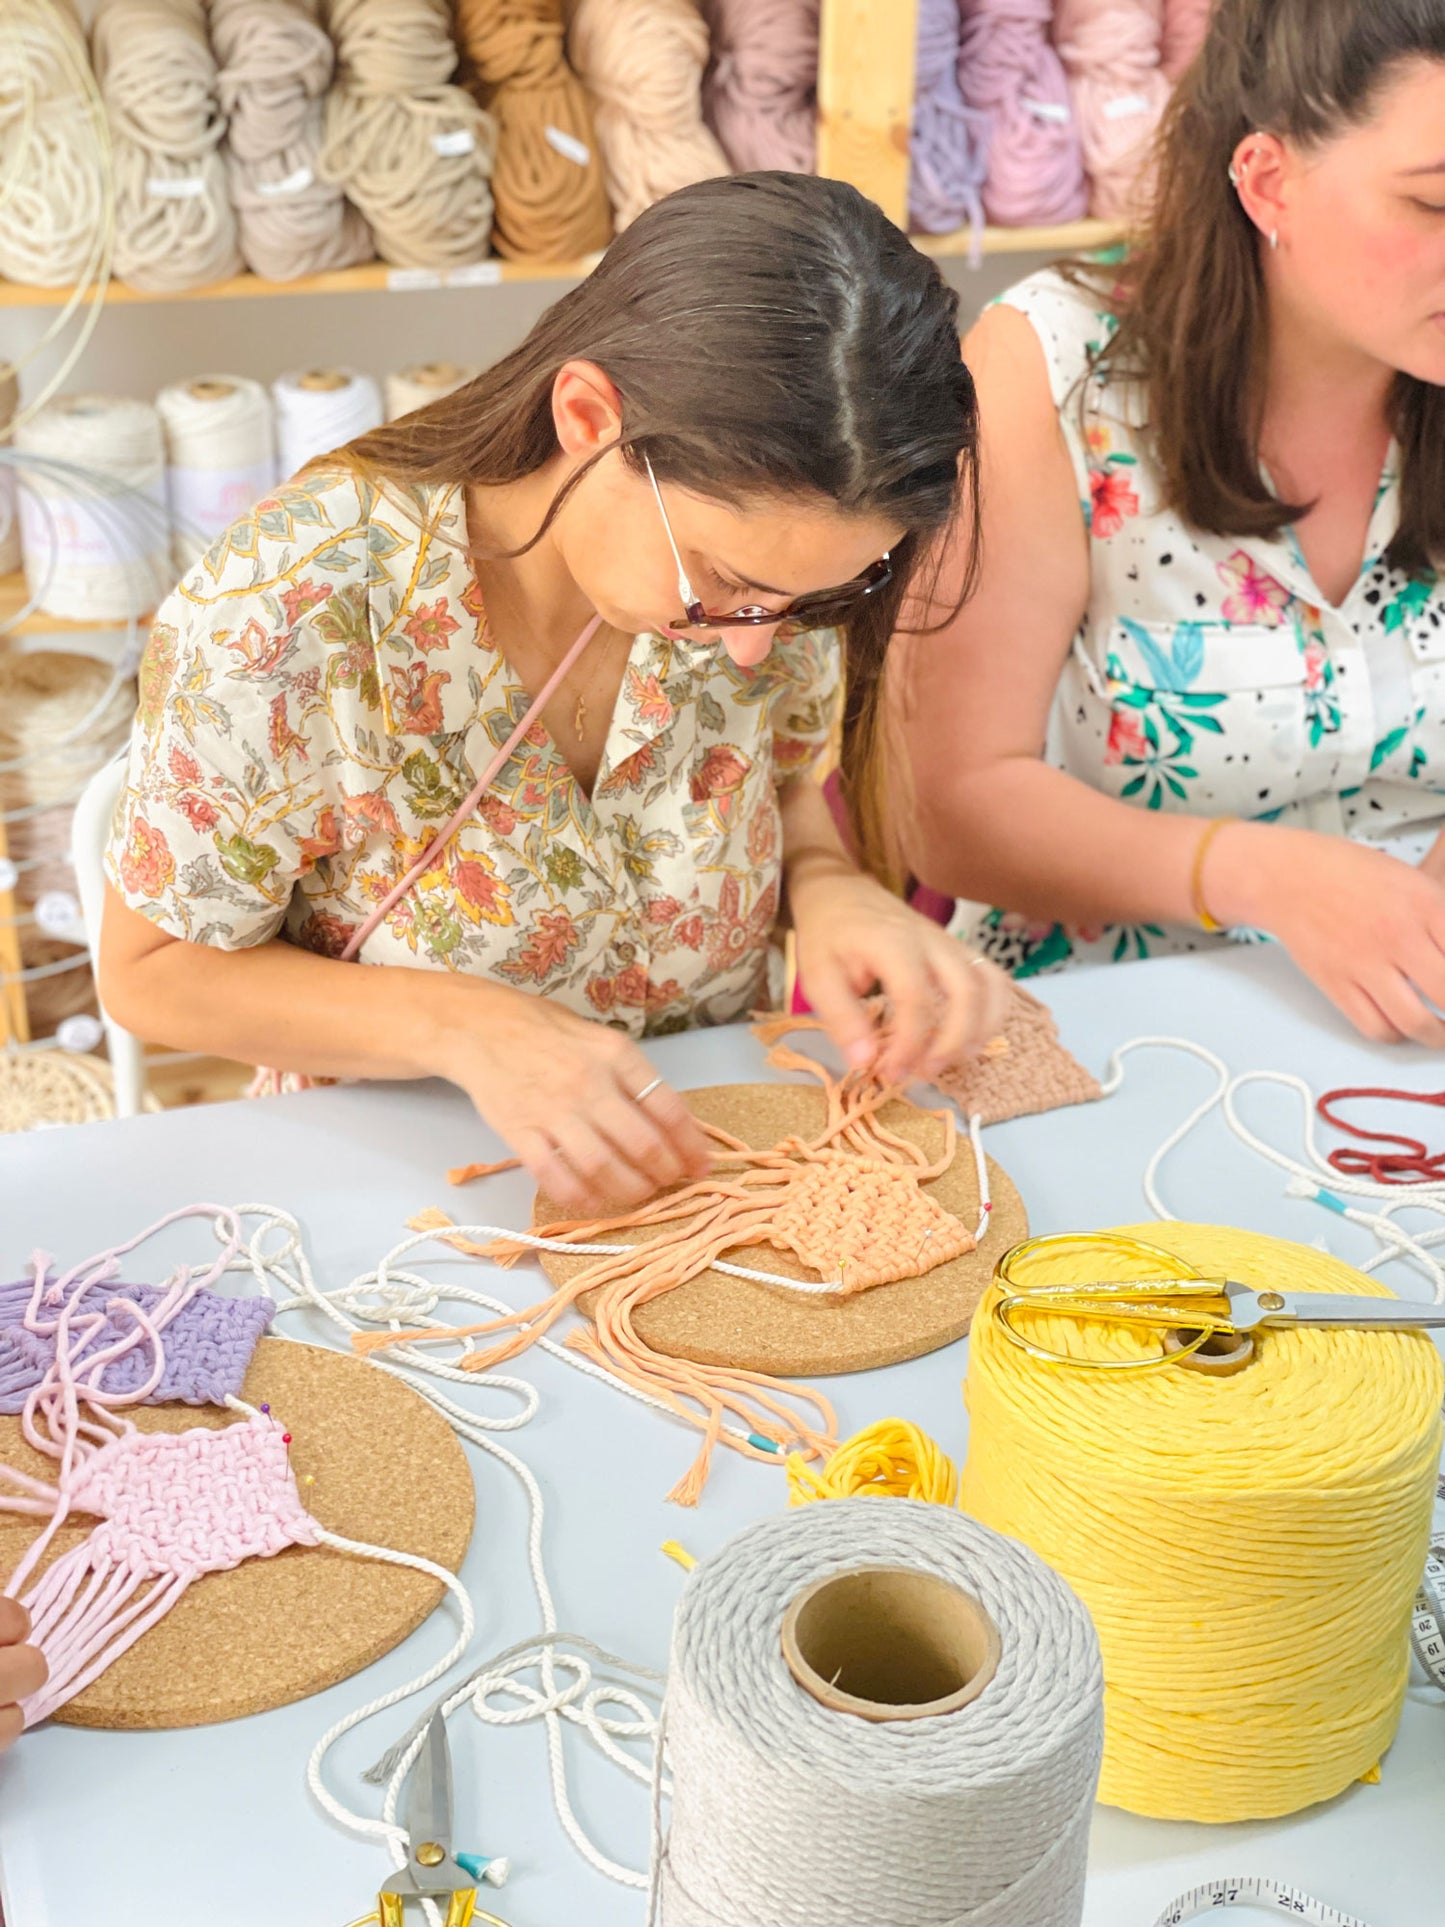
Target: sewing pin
{"x": 285, "y": 1438}
{"x": 921, "y": 1243}
{"x": 266, "y": 1408}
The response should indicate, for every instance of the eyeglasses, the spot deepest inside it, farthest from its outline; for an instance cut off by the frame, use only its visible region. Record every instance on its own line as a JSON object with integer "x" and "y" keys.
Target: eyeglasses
{"x": 818, "y": 610}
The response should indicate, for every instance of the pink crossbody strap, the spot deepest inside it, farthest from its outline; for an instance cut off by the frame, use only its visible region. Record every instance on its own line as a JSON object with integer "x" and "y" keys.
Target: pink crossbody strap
{"x": 474, "y": 796}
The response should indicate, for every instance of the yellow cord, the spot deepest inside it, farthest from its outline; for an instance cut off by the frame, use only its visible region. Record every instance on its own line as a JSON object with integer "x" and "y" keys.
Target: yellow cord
{"x": 1249, "y": 1547}
{"x": 679, "y": 1553}
{"x": 891, "y": 1459}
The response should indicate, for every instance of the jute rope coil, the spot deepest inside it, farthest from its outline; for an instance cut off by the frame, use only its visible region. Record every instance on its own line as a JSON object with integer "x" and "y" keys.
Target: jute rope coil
{"x": 175, "y": 227}
{"x": 54, "y": 173}
{"x": 276, "y": 63}
{"x": 220, "y": 457}
{"x": 93, "y": 519}
{"x": 414, "y": 153}
{"x": 551, "y": 201}
{"x": 761, "y": 90}
{"x": 424, "y": 382}
{"x": 1249, "y": 1546}
{"x": 44, "y": 1088}
{"x": 643, "y": 62}
{"x": 795, "y": 1812}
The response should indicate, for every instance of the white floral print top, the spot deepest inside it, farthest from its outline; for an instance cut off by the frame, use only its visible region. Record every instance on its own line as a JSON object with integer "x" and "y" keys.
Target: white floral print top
{"x": 321, "y": 692}
{"x": 1209, "y": 674}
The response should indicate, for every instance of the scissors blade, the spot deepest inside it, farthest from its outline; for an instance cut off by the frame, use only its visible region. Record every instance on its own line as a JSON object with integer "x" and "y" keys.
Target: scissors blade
{"x": 1248, "y": 1310}
{"x": 429, "y": 1795}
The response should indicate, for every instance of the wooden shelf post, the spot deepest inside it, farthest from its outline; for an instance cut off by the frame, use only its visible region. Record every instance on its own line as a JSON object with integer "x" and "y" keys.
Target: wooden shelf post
{"x": 866, "y": 54}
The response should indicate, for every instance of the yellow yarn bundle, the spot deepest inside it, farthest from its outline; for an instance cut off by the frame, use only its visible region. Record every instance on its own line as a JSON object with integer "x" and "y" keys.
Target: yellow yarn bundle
{"x": 1249, "y": 1546}
{"x": 890, "y": 1460}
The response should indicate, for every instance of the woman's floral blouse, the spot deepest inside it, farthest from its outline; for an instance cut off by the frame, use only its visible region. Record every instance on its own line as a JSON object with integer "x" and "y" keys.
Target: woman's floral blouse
{"x": 321, "y": 692}
{"x": 1210, "y": 675}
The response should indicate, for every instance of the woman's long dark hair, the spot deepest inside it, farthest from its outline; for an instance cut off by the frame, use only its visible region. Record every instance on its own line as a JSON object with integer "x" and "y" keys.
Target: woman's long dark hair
{"x": 769, "y": 334}
{"x": 1190, "y": 298}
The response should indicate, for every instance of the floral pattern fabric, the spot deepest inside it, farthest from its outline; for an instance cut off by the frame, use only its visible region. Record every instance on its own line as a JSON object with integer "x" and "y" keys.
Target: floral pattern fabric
{"x": 322, "y": 691}
{"x": 1210, "y": 675}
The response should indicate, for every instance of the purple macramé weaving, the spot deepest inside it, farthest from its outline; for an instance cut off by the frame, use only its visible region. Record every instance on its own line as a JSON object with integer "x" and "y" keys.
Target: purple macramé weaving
{"x": 208, "y": 1344}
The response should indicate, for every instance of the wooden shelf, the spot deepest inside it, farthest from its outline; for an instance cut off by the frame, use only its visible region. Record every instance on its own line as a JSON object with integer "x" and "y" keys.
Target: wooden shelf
{"x": 373, "y": 276}
{"x": 1072, "y": 237}
{"x": 376, "y": 277}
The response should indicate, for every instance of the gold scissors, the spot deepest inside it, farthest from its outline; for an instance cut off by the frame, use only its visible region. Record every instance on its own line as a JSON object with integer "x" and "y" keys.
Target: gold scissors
{"x": 1204, "y": 1322}
{"x": 431, "y": 1872}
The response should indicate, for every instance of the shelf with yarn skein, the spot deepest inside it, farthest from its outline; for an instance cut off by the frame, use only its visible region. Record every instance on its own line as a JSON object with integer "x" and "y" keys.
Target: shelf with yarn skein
{"x": 1071, "y": 237}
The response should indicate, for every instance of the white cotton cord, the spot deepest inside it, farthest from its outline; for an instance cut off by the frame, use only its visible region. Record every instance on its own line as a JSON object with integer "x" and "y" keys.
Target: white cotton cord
{"x": 319, "y": 410}
{"x": 9, "y": 497}
{"x": 1316, "y": 1180}
{"x": 580, "y": 1701}
{"x": 424, "y": 382}
{"x": 788, "y": 1811}
{"x": 220, "y": 442}
{"x": 288, "y": 1266}
{"x": 94, "y": 529}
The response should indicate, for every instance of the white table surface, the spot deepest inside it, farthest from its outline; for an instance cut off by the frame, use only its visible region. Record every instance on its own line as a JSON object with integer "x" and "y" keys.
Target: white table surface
{"x": 214, "y": 1824}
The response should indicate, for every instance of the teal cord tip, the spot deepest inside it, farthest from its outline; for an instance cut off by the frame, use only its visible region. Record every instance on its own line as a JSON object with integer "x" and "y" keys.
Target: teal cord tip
{"x": 1331, "y": 1202}
{"x": 763, "y": 1445}
{"x": 474, "y": 1864}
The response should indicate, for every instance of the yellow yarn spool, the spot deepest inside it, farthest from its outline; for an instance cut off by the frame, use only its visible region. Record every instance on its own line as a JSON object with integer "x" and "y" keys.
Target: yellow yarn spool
{"x": 891, "y": 1460}
{"x": 1249, "y": 1546}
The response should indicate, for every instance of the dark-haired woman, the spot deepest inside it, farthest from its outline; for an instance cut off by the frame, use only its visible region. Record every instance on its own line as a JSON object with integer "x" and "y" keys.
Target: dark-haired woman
{"x": 1214, "y": 517}
{"x": 669, "y": 529}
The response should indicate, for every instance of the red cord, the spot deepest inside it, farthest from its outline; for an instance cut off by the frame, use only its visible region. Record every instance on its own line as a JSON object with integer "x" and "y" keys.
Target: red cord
{"x": 1410, "y": 1163}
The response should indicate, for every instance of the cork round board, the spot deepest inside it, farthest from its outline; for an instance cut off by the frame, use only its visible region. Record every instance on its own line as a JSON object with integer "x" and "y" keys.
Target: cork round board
{"x": 387, "y": 1469}
{"x": 717, "y": 1320}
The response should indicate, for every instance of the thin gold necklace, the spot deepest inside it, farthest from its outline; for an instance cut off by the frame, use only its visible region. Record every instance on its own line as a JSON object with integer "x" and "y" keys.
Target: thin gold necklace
{"x": 579, "y": 713}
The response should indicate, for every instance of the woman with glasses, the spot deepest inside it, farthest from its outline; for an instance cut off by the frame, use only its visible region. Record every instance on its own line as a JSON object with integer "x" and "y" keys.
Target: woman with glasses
{"x": 525, "y": 696}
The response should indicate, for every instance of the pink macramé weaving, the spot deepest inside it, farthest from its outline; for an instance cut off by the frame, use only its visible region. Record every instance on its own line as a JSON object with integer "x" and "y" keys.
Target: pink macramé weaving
{"x": 171, "y": 1505}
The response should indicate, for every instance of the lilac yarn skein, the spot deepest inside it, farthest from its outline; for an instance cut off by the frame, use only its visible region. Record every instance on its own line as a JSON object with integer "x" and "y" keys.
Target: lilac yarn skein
{"x": 948, "y": 155}
{"x": 1008, "y": 70}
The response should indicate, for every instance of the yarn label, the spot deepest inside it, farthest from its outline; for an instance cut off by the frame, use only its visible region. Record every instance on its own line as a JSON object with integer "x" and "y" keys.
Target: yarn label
{"x": 1125, "y": 106}
{"x": 206, "y": 500}
{"x": 568, "y": 145}
{"x": 1048, "y": 110}
{"x": 61, "y": 534}
{"x": 296, "y": 183}
{"x": 189, "y": 187}
{"x": 458, "y": 141}
{"x": 477, "y": 274}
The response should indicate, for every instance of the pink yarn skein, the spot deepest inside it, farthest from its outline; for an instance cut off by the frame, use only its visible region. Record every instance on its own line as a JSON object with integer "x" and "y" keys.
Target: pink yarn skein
{"x": 760, "y": 96}
{"x": 1008, "y": 70}
{"x": 1110, "y": 50}
{"x": 1186, "y": 25}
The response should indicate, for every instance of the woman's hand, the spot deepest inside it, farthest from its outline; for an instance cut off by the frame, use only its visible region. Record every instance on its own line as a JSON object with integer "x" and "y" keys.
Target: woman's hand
{"x": 22, "y": 1669}
{"x": 566, "y": 1095}
{"x": 1367, "y": 928}
{"x": 852, "y": 935}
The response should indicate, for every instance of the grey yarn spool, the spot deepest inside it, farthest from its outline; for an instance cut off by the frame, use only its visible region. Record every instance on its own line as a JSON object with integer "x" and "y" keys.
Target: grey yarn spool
{"x": 793, "y": 1813}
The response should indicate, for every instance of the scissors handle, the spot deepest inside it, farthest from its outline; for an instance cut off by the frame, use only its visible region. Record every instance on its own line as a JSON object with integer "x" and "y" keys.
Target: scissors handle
{"x": 462, "y": 1911}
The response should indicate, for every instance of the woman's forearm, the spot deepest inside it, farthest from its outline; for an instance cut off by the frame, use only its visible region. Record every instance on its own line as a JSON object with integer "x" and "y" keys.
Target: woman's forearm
{"x": 280, "y": 1006}
{"x": 1026, "y": 837}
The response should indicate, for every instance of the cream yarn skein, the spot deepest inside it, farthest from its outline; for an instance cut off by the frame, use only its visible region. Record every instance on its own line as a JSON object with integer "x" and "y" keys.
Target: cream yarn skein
{"x": 175, "y": 227}
{"x": 321, "y": 409}
{"x": 276, "y": 64}
{"x": 414, "y": 153}
{"x": 55, "y": 193}
{"x": 412, "y": 388}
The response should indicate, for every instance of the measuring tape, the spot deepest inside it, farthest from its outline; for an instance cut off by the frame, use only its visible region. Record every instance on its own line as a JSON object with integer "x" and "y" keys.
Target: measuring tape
{"x": 1254, "y": 1892}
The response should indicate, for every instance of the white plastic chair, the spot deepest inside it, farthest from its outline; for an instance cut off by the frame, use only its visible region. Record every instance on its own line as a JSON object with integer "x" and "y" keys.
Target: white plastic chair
{"x": 89, "y": 833}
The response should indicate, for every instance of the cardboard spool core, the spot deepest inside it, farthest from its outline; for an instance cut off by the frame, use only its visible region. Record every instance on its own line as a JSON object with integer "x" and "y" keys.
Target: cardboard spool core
{"x": 436, "y": 374}
{"x": 1220, "y": 1356}
{"x": 890, "y": 1643}
{"x": 717, "y": 1320}
{"x": 322, "y": 381}
{"x": 210, "y": 390}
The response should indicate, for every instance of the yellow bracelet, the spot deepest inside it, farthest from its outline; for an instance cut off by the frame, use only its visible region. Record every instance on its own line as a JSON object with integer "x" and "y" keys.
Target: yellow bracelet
{"x": 1196, "y": 881}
